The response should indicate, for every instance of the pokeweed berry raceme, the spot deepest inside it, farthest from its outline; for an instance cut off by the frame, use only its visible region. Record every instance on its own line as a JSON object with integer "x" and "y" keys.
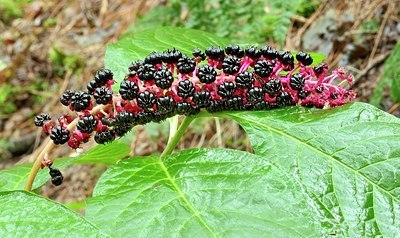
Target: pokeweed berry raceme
{"x": 168, "y": 83}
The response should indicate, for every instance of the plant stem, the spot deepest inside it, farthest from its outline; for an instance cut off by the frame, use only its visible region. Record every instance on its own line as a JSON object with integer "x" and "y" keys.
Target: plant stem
{"x": 49, "y": 146}
{"x": 175, "y": 139}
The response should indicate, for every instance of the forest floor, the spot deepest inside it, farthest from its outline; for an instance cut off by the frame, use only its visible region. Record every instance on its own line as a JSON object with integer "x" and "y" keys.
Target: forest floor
{"x": 56, "y": 45}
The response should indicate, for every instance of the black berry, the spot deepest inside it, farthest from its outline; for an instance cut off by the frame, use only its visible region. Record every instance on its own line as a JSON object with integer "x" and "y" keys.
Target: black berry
{"x": 215, "y": 106}
{"x": 244, "y": 80}
{"x": 146, "y": 99}
{"x": 163, "y": 78}
{"x": 319, "y": 69}
{"x": 304, "y": 58}
{"x": 234, "y": 103}
{"x": 103, "y": 76}
{"x": 234, "y": 50}
{"x": 269, "y": 52}
{"x": 252, "y": 52}
{"x": 59, "y": 135}
{"x": 144, "y": 117}
{"x": 255, "y": 94}
{"x": 105, "y": 136}
{"x": 128, "y": 90}
{"x": 54, "y": 172}
{"x": 57, "y": 180}
{"x": 171, "y": 56}
{"x": 231, "y": 65}
{"x": 207, "y": 74}
{"x": 136, "y": 65}
{"x": 272, "y": 87}
{"x": 284, "y": 99}
{"x": 103, "y": 95}
{"x": 186, "y": 65}
{"x": 263, "y": 68}
{"x": 202, "y": 98}
{"x": 297, "y": 82}
{"x": 92, "y": 86}
{"x": 80, "y": 101}
{"x": 302, "y": 94}
{"x": 87, "y": 124}
{"x": 146, "y": 72}
{"x": 41, "y": 119}
{"x": 226, "y": 90}
{"x": 165, "y": 104}
{"x": 153, "y": 58}
{"x": 286, "y": 57}
{"x": 185, "y": 88}
{"x": 215, "y": 52}
{"x": 65, "y": 99}
{"x": 125, "y": 119}
{"x": 197, "y": 53}
{"x": 185, "y": 108}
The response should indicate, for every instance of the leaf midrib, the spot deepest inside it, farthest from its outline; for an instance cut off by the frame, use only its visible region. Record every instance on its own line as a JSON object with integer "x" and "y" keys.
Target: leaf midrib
{"x": 321, "y": 152}
{"x": 185, "y": 199}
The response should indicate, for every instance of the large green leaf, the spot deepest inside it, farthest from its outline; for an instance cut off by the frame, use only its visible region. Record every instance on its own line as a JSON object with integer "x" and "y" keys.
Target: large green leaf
{"x": 202, "y": 193}
{"x": 25, "y": 214}
{"x": 347, "y": 159}
{"x": 138, "y": 45}
{"x": 14, "y": 178}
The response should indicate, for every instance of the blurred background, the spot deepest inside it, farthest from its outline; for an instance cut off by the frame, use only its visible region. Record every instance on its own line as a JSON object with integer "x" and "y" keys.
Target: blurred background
{"x": 50, "y": 46}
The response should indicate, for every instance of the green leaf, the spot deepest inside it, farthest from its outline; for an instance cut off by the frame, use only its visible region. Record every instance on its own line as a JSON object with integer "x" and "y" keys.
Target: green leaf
{"x": 138, "y": 45}
{"x": 347, "y": 159}
{"x": 201, "y": 193}
{"x": 25, "y": 214}
{"x": 390, "y": 79}
{"x": 14, "y": 178}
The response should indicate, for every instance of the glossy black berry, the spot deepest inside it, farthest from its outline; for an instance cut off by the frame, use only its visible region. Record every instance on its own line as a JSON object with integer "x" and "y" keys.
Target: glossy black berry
{"x": 197, "y": 53}
{"x": 105, "y": 136}
{"x": 128, "y": 90}
{"x": 103, "y": 95}
{"x": 234, "y": 50}
{"x": 185, "y": 108}
{"x": 215, "y": 52}
{"x": 231, "y": 64}
{"x": 215, "y": 106}
{"x": 108, "y": 121}
{"x": 286, "y": 57}
{"x": 319, "y": 69}
{"x": 134, "y": 66}
{"x": 263, "y": 68}
{"x": 302, "y": 94}
{"x": 234, "y": 103}
{"x": 261, "y": 105}
{"x": 284, "y": 99}
{"x": 153, "y": 58}
{"x": 125, "y": 119}
{"x": 186, "y": 65}
{"x": 297, "y": 82}
{"x": 103, "y": 76}
{"x": 185, "y": 88}
{"x": 57, "y": 180}
{"x": 146, "y": 72}
{"x": 304, "y": 58}
{"x": 255, "y": 94}
{"x": 80, "y": 101}
{"x": 87, "y": 124}
{"x": 59, "y": 135}
{"x": 54, "y": 172}
{"x": 252, "y": 52}
{"x": 171, "y": 56}
{"x": 144, "y": 117}
{"x": 146, "y": 99}
{"x": 121, "y": 130}
{"x": 165, "y": 104}
{"x": 92, "y": 86}
{"x": 65, "y": 99}
{"x": 163, "y": 78}
{"x": 269, "y": 52}
{"x": 41, "y": 119}
{"x": 244, "y": 80}
{"x": 272, "y": 87}
{"x": 319, "y": 89}
{"x": 207, "y": 74}
{"x": 226, "y": 90}
{"x": 202, "y": 98}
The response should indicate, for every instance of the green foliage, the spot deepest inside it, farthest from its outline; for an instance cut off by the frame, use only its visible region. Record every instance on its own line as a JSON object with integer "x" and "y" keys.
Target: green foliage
{"x": 246, "y": 21}
{"x": 10, "y": 9}
{"x": 201, "y": 192}
{"x": 37, "y": 215}
{"x": 14, "y": 178}
{"x": 390, "y": 79}
{"x": 62, "y": 62}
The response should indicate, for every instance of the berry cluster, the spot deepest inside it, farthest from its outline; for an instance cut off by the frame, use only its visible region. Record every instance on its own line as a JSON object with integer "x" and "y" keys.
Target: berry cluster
{"x": 169, "y": 83}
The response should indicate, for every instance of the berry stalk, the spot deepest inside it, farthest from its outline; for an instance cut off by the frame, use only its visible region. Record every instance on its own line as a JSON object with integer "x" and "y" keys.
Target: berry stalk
{"x": 176, "y": 138}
